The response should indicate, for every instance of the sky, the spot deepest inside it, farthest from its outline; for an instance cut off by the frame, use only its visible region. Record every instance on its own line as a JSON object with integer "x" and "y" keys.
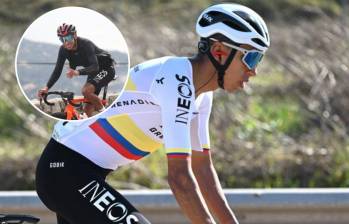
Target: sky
{"x": 89, "y": 24}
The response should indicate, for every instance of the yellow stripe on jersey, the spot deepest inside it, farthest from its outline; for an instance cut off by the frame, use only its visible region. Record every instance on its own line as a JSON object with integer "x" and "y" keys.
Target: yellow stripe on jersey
{"x": 130, "y": 131}
{"x": 206, "y": 146}
{"x": 130, "y": 85}
{"x": 178, "y": 150}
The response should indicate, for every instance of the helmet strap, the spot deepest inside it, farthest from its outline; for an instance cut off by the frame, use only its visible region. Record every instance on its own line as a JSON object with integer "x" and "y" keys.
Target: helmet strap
{"x": 75, "y": 44}
{"x": 221, "y": 68}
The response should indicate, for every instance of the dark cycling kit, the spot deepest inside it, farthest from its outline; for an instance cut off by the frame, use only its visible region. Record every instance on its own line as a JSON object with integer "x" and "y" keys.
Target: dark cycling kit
{"x": 59, "y": 185}
{"x": 97, "y": 63}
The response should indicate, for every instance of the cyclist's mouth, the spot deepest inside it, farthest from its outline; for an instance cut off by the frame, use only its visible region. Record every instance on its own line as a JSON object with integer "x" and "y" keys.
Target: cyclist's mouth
{"x": 69, "y": 45}
{"x": 242, "y": 83}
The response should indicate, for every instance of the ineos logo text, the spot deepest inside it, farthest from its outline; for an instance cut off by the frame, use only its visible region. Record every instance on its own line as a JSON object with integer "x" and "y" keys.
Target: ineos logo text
{"x": 184, "y": 90}
{"x": 183, "y": 100}
{"x": 104, "y": 201}
{"x": 120, "y": 206}
{"x": 100, "y": 75}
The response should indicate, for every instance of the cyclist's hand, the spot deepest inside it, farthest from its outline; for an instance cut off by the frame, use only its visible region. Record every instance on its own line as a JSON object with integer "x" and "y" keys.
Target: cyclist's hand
{"x": 42, "y": 92}
{"x": 71, "y": 73}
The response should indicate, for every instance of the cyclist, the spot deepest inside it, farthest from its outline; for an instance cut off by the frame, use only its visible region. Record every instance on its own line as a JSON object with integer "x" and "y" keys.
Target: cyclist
{"x": 165, "y": 102}
{"x": 97, "y": 65}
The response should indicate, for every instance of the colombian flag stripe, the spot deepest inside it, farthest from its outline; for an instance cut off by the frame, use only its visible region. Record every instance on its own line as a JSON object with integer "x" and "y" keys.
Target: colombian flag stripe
{"x": 205, "y": 150}
{"x": 130, "y": 85}
{"x": 178, "y": 155}
{"x": 134, "y": 135}
{"x": 109, "y": 135}
{"x": 178, "y": 150}
{"x": 206, "y": 146}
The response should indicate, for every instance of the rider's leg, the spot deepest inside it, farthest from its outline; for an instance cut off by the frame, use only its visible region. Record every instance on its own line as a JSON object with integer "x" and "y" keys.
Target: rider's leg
{"x": 94, "y": 85}
{"x": 88, "y": 91}
{"x": 78, "y": 191}
{"x": 61, "y": 220}
{"x": 103, "y": 78}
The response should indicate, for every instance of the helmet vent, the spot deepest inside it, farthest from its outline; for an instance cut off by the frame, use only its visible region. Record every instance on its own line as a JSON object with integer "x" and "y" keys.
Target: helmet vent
{"x": 216, "y": 17}
{"x": 236, "y": 25}
{"x": 259, "y": 42}
{"x": 251, "y": 21}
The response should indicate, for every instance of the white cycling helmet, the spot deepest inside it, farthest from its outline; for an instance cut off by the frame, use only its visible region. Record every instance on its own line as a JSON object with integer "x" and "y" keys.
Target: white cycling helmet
{"x": 238, "y": 23}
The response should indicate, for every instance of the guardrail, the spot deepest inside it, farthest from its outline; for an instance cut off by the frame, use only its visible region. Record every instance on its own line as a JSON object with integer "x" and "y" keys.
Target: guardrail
{"x": 252, "y": 206}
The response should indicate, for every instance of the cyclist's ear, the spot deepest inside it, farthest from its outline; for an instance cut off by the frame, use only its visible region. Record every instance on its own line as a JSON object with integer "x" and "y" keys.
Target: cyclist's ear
{"x": 218, "y": 50}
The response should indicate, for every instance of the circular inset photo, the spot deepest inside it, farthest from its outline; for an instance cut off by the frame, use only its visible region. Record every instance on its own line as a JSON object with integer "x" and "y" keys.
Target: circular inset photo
{"x": 71, "y": 63}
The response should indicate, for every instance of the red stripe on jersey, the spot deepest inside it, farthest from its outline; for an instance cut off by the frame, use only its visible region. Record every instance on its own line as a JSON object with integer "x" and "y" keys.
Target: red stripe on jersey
{"x": 178, "y": 155}
{"x": 112, "y": 142}
{"x": 206, "y": 151}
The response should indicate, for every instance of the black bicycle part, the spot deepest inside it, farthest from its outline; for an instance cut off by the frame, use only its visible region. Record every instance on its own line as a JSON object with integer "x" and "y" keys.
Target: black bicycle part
{"x": 67, "y": 97}
{"x": 17, "y": 219}
{"x": 62, "y": 115}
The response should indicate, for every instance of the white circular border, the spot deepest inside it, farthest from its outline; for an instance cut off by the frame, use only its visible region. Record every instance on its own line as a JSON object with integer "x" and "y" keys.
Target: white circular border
{"x": 25, "y": 95}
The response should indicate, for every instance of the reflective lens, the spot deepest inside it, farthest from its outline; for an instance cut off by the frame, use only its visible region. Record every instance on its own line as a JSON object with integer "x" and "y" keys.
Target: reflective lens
{"x": 252, "y": 59}
{"x": 66, "y": 38}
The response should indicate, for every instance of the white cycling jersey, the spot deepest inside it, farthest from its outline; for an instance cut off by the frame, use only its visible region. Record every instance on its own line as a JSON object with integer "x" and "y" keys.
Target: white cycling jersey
{"x": 156, "y": 109}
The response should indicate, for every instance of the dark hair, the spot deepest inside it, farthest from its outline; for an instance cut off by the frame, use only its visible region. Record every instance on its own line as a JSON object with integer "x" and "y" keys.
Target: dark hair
{"x": 204, "y": 44}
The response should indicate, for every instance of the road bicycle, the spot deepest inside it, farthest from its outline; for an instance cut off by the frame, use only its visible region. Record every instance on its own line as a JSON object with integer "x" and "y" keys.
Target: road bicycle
{"x": 73, "y": 106}
{"x": 17, "y": 219}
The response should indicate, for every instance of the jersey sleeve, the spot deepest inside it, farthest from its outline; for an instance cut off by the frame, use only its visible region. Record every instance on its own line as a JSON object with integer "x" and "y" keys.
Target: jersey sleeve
{"x": 58, "y": 68}
{"x": 194, "y": 134}
{"x": 173, "y": 90}
{"x": 204, "y": 117}
{"x": 200, "y": 136}
{"x": 93, "y": 67}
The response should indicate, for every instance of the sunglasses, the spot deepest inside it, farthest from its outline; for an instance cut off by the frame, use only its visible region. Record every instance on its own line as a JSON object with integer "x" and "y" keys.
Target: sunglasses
{"x": 67, "y": 38}
{"x": 251, "y": 58}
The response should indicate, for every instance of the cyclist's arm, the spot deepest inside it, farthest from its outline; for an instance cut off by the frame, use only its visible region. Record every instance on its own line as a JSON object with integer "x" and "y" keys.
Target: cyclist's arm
{"x": 175, "y": 95}
{"x": 185, "y": 188}
{"x": 93, "y": 67}
{"x": 58, "y": 68}
{"x": 210, "y": 187}
{"x": 203, "y": 169}
{"x": 72, "y": 65}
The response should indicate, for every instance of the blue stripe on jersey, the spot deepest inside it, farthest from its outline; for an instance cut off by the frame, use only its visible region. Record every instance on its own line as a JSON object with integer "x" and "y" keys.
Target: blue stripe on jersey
{"x": 116, "y": 135}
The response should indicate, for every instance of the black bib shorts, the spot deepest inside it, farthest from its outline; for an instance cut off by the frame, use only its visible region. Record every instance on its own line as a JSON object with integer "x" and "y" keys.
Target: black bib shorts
{"x": 75, "y": 189}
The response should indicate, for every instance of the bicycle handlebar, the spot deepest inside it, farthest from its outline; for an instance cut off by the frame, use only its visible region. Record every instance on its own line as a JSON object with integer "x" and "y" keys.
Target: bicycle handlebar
{"x": 66, "y": 96}
{"x": 14, "y": 218}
